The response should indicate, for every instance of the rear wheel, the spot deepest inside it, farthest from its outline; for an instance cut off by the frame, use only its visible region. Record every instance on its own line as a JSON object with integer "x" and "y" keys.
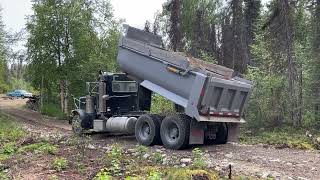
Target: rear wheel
{"x": 76, "y": 124}
{"x": 175, "y": 131}
{"x": 222, "y": 134}
{"x": 147, "y": 130}
{"x": 217, "y": 134}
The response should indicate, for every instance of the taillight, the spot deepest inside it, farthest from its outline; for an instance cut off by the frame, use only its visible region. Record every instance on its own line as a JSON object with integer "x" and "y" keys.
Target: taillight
{"x": 225, "y": 114}
{"x": 202, "y": 92}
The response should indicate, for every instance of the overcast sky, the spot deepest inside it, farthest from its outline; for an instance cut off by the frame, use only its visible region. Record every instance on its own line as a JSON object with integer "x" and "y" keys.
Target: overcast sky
{"x": 135, "y": 12}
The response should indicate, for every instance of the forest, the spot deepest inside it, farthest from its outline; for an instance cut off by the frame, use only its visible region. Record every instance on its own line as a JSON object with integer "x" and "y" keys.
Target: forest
{"x": 275, "y": 44}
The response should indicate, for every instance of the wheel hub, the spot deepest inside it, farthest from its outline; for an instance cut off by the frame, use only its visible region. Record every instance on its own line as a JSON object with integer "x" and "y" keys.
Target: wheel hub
{"x": 173, "y": 132}
{"x": 76, "y": 124}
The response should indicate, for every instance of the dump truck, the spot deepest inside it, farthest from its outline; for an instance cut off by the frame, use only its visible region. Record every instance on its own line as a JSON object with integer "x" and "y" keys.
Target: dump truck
{"x": 208, "y": 98}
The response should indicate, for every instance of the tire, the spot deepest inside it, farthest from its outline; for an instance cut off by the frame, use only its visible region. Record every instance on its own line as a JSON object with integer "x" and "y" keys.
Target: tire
{"x": 222, "y": 134}
{"x": 76, "y": 123}
{"x": 159, "y": 119}
{"x": 175, "y": 132}
{"x": 22, "y": 97}
{"x": 147, "y": 130}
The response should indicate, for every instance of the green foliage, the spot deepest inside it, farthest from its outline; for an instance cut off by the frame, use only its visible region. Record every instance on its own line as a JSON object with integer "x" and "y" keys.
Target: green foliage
{"x": 4, "y": 87}
{"x": 8, "y": 148}
{"x": 190, "y": 174}
{"x": 268, "y": 100}
{"x": 157, "y": 158}
{"x": 154, "y": 175}
{"x": 16, "y": 83}
{"x": 281, "y": 137}
{"x": 3, "y": 57}
{"x": 60, "y": 164}
{"x": 39, "y": 147}
{"x": 141, "y": 150}
{"x": 9, "y": 130}
{"x": 114, "y": 160}
{"x": 69, "y": 42}
{"x": 4, "y": 175}
{"x": 198, "y": 159}
{"x": 52, "y": 110}
{"x": 161, "y": 105}
{"x": 102, "y": 175}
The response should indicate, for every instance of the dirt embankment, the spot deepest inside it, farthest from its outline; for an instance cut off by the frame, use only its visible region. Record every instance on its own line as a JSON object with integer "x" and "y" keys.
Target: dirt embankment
{"x": 259, "y": 161}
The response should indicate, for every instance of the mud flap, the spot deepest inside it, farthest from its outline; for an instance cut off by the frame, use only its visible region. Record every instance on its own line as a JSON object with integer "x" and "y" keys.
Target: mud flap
{"x": 196, "y": 132}
{"x": 233, "y": 132}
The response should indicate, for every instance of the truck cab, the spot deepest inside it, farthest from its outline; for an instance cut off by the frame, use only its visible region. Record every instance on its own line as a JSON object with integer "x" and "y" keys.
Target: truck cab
{"x": 113, "y": 95}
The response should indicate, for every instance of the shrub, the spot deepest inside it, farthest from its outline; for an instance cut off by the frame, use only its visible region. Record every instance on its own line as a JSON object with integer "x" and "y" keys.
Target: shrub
{"x": 161, "y": 105}
{"x": 155, "y": 175}
{"x": 157, "y": 158}
{"x": 198, "y": 161}
{"x": 60, "y": 164}
{"x": 102, "y": 175}
{"x": 52, "y": 110}
{"x": 114, "y": 160}
{"x": 141, "y": 150}
{"x": 284, "y": 137}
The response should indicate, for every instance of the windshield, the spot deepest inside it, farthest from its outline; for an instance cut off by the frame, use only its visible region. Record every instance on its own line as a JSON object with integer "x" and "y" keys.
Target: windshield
{"x": 124, "y": 86}
{"x": 20, "y": 91}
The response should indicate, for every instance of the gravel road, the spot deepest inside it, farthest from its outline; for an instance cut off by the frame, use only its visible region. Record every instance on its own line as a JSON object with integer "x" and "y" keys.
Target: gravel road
{"x": 260, "y": 161}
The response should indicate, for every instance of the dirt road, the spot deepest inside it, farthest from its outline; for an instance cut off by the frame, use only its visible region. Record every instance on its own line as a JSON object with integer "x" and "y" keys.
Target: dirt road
{"x": 252, "y": 160}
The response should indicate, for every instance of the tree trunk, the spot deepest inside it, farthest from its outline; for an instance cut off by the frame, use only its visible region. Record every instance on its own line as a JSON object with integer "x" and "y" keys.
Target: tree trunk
{"x": 175, "y": 29}
{"x": 292, "y": 75}
{"x": 316, "y": 61}
{"x": 66, "y": 97}
{"x": 62, "y": 93}
{"x": 240, "y": 57}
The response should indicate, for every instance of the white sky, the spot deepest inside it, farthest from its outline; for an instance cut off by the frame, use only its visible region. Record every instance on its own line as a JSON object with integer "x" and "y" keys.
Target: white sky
{"x": 135, "y": 12}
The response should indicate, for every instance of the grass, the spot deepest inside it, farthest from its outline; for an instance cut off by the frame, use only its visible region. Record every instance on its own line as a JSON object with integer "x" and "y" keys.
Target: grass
{"x": 53, "y": 110}
{"x": 10, "y": 133}
{"x": 9, "y": 130}
{"x": 10, "y": 136}
{"x": 285, "y": 137}
{"x": 41, "y": 147}
{"x": 3, "y": 175}
{"x": 120, "y": 164}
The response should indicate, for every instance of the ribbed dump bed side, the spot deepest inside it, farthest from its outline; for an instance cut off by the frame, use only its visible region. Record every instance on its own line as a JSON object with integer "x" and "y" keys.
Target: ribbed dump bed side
{"x": 227, "y": 97}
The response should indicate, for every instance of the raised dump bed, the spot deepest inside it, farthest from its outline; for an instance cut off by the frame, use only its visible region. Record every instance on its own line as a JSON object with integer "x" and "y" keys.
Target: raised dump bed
{"x": 206, "y": 91}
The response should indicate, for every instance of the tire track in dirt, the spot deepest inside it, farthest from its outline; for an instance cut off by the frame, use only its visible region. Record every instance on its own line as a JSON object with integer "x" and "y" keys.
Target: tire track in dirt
{"x": 35, "y": 119}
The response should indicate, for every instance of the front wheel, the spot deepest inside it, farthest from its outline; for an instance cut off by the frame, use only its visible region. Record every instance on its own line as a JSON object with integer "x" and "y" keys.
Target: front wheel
{"x": 76, "y": 124}
{"x": 175, "y": 131}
